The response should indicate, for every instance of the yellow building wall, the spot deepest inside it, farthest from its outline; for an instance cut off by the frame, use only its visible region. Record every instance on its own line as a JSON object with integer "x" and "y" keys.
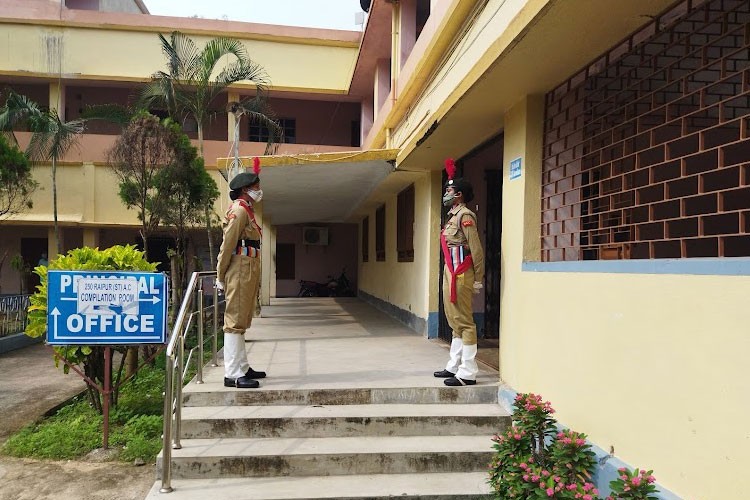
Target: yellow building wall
{"x": 112, "y": 54}
{"x": 653, "y": 365}
{"x": 410, "y": 286}
{"x": 460, "y": 68}
{"x": 87, "y": 195}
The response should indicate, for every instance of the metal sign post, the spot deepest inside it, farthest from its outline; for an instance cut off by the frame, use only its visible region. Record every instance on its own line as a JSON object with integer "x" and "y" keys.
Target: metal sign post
{"x": 106, "y": 308}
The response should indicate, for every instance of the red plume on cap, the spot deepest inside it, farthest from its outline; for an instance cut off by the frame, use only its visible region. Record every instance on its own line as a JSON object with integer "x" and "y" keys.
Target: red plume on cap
{"x": 256, "y": 165}
{"x": 450, "y": 168}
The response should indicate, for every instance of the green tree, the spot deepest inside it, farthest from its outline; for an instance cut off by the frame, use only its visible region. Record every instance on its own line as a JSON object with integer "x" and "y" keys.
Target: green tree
{"x": 192, "y": 83}
{"x": 190, "y": 188}
{"x": 138, "y": 159}
{"x": 16, "y": 183}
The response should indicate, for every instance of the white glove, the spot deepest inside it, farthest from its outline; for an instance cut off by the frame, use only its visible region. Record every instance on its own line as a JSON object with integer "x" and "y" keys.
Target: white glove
{"x": 477, "y": 287}
{"x": 219, "y": 285}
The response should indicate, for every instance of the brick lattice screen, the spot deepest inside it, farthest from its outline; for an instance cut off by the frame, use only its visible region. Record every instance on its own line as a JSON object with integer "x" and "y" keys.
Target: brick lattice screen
{"x": 647, "y": 149}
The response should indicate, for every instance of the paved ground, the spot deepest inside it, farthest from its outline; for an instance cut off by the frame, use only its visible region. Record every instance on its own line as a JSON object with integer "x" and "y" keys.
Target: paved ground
{"x": 30, "y": 386}
{"x": 323, "y": 343}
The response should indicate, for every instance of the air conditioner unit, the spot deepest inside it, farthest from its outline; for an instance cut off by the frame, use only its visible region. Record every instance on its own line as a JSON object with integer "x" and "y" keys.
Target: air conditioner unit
{"x": 315, "y": 235}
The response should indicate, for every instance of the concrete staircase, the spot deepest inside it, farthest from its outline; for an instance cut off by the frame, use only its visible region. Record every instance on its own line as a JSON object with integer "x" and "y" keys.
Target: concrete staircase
{"x": 341, "y": 443}
{"x": 374, "y": 425}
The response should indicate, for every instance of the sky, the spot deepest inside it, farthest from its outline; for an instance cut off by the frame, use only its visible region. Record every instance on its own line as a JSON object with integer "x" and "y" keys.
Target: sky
{"x": 330, "y": 14}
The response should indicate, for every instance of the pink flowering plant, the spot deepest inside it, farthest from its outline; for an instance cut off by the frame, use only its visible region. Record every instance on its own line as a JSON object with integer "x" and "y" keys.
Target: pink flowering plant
{"x": 534, "y": 461}
{"x": 534, "y": 416}
{"x": 512, "y": 452}
{"x": 633, "y": 485}
{"x": 571, "y": 456}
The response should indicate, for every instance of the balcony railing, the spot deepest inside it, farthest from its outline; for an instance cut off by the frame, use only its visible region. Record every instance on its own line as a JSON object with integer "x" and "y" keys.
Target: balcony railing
{"x": 13, "y": 314}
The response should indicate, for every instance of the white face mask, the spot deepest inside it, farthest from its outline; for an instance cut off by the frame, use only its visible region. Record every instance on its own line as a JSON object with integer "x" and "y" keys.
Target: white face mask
{"x": 256, "y": 195}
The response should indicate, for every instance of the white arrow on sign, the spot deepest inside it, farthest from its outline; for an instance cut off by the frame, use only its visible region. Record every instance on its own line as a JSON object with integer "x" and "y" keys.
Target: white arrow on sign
{"x": 55, "y": 312}
{"x": 153, "y": 299}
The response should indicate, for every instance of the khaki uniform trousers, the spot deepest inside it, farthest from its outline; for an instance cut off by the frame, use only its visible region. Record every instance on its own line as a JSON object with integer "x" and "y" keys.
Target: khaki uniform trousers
{"x": 459, "y": 314}
{"x": 241, "y": 291}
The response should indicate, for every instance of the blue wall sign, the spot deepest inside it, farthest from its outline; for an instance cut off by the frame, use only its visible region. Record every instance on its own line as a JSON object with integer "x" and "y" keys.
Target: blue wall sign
{"x": 106, "y": 307}
{"x": 515, "y": 168}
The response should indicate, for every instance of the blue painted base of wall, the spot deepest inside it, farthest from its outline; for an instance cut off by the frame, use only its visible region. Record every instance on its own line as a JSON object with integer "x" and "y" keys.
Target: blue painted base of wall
{"x": 606, "y": 471}
{"x": 17, "y": 341}
{"x": 433, "y": 325}
{"x": 408, "y": 318}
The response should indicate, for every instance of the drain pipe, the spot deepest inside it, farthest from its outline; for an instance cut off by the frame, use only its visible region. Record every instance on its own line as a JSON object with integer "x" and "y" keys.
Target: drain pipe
{"x": 395, "y": 61}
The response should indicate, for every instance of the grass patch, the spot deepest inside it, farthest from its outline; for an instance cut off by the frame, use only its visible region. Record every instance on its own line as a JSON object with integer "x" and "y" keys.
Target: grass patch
{"x": 135, "y": 424}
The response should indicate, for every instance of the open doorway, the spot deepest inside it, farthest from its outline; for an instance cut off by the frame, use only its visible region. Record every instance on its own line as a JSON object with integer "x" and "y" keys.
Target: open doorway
{"x": 33, "y": 253}
{"x": 483, "y": 168}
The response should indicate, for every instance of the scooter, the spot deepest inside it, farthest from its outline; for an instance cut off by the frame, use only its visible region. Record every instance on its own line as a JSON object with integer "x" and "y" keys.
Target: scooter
{"x": 341, "y": 286}
{"x": 308, "y": 288}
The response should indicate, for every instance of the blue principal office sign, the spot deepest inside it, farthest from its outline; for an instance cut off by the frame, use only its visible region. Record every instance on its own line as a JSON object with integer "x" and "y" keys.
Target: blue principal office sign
{"x": 106, "y": 307}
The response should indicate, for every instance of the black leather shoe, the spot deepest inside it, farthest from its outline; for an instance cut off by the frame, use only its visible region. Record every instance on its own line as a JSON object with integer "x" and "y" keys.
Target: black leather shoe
{"x": 241, "y": 383}
{"x": 444, "y": 374}
{"x": 458, "y": 382}
{"x": 253, "y": 374}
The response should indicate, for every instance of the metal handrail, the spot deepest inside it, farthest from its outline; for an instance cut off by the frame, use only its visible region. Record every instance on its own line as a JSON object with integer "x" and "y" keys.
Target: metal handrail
{"x": 177, "y": 370}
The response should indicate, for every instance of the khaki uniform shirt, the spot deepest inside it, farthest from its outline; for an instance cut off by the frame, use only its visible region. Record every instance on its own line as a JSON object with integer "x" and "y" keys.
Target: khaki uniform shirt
{"x": 461, "y": 230}
{"x": 237, "y": 226}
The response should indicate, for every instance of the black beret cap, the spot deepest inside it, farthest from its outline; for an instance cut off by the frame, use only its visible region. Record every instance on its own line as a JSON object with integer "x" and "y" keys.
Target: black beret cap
{"x": 243, "y": 180}
{"x": 462, "y": 186}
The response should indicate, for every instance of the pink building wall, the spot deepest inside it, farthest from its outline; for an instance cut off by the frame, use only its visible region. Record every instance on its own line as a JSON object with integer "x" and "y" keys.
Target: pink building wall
{"x": 318, "y": 122}
{"x": 317, "y": 262}
{"x": 78, "y": 98}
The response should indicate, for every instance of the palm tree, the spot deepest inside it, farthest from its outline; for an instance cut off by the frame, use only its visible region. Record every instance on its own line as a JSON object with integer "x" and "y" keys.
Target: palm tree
{"x": 17, "y": 109}
{"x": 188, "y": 88}
{"x": 51, "y": 138}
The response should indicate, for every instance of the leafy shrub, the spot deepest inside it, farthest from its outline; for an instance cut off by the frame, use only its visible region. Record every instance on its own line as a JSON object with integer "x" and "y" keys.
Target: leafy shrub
{"x": 534, "y": 461}
{"x": 635, "y": 485}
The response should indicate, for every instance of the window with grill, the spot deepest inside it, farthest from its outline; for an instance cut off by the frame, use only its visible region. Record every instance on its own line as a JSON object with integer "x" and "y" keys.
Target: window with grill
{"x": 380, "y": 234}
{"x": 259, "y": 133}
{"x": 405, "y": 225}
{"x": 647, "y": 149}
{"x": 366, "y": 239}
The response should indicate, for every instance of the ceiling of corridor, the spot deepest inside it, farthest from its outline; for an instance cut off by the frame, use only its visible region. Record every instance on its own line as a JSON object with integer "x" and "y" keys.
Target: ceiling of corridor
{"x": 324, "y": 187}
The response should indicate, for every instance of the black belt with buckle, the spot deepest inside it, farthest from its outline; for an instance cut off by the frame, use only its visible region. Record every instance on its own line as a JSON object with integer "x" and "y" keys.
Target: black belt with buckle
{"x": 249, "y": 243}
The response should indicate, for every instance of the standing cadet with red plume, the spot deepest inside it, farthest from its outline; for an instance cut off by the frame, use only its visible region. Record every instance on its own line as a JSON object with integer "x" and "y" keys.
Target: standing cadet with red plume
{"x": 238, "y": 272}
{"x": 463, "y": 277}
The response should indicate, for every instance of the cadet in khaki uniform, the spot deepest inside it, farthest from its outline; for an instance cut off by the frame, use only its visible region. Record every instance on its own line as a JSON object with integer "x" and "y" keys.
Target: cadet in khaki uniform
{"x": 238, "y": 273}
{"x": 463, "y": 277}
